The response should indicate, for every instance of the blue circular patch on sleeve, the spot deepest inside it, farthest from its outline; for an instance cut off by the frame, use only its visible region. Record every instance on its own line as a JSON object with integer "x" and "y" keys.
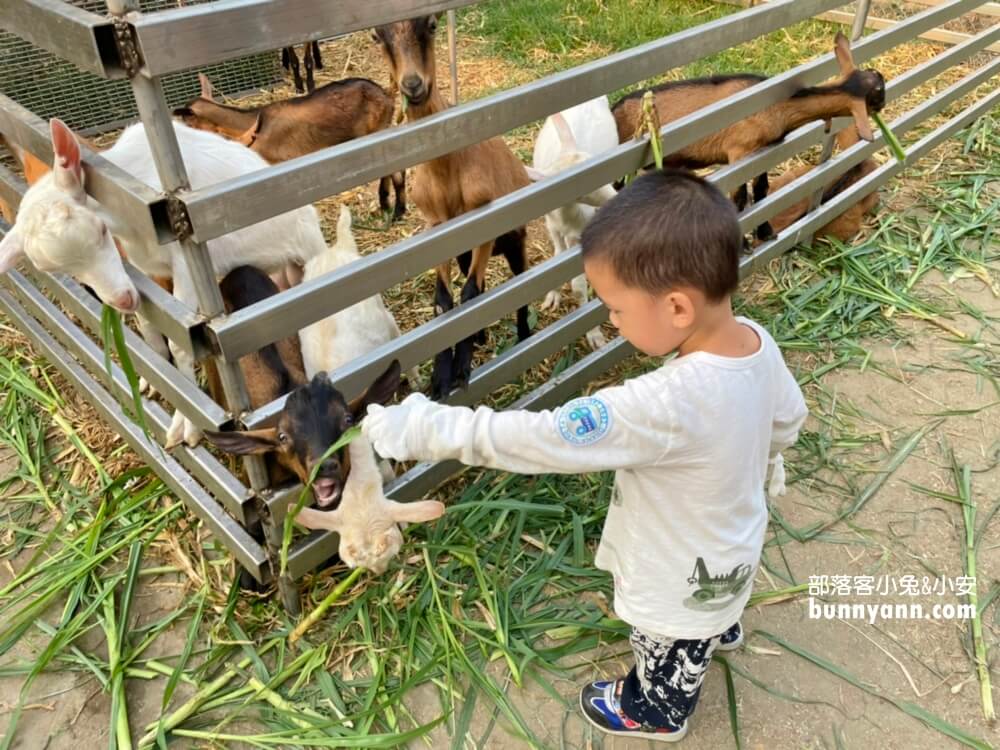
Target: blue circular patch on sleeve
{"x": 584, "y": 420}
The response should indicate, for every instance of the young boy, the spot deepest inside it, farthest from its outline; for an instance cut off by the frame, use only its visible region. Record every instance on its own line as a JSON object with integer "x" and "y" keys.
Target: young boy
{"x": 690, "y": 442}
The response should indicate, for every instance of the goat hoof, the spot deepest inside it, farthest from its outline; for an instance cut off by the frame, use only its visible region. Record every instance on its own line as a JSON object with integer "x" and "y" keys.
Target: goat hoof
{"x": 596, "y": 339}
{"x": 192, "y": 434}
{"x": 146, "y": 388}
{"x": 552, "y": 301}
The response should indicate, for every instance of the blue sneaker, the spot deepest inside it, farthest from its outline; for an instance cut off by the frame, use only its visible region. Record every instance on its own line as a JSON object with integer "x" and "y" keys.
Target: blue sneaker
{"x": 601, "y": 706}
{"x": 732, "y": 639}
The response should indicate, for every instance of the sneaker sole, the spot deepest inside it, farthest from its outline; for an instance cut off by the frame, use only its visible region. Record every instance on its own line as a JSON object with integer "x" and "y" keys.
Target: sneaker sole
{"x": 654, "y": 736}
{"x": 730, "y": 646}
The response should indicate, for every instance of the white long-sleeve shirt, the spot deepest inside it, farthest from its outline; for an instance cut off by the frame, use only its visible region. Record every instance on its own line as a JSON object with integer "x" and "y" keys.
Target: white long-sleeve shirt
{"x": 690, "y": 444}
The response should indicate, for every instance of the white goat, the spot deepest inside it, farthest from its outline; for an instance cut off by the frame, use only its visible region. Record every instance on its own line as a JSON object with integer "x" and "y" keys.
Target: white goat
{"x": 566, "y": 139}
{"x": 367, "y": 521}
{"x": 332, "y": 342}
{"x": 60, "y": 228}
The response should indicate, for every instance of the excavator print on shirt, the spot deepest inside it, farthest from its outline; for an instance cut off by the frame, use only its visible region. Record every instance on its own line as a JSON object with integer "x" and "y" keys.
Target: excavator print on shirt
{"x": 716, "y": 592}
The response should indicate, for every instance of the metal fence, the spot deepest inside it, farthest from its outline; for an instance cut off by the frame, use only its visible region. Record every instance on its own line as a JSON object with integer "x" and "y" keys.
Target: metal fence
{"x": 191, "y": 37}
{"x": 49, "y": 86}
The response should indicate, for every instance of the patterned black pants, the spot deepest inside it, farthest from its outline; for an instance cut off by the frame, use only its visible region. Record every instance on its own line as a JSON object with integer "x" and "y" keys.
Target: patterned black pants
{"x": 662, "y": 688}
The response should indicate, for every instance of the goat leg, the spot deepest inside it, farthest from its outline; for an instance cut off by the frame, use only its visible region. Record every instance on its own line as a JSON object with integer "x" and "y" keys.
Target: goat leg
{"x": 399, "y": 184}
{"x": 465, "y": 348}
{"x": 317, "y": 60}
{"x": 383, "y": 194}
{"x": 293, "y": 60}
{"x": 511, "y": 246}
{"x": 308, "y": 61}
{"x": 441, "y": 375}
{"x": 760, "y": 189}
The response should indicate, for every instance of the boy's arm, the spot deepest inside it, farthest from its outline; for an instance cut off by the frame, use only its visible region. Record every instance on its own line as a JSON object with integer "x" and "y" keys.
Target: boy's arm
{"x": 609, "y": 430}
{"x": 789, "y": 415}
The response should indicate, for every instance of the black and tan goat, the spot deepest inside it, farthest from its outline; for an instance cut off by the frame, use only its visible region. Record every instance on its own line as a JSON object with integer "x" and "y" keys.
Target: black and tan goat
{"x": 334, "y": 113}
{"x": 452, "y": 185}
{"x": 856, "y": 93}
{"x": 314, "y": 417}
{"x": 310, "y": 57}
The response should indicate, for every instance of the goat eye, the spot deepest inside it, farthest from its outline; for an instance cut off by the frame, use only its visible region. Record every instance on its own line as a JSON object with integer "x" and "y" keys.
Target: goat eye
{"x": 282, "y": 438}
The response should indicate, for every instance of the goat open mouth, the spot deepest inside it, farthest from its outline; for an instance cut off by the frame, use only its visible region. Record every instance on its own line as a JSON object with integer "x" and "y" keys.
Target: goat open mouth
{"x": 326, "y": 491}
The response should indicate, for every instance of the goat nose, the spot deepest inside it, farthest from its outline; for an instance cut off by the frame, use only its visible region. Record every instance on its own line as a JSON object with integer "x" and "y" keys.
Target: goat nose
{"x": 127, "y": 301}
{"x": 412, "y": 83}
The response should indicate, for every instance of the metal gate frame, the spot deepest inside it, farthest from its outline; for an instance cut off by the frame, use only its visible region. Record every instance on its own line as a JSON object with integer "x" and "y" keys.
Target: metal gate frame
{"x": 145, "y": 47}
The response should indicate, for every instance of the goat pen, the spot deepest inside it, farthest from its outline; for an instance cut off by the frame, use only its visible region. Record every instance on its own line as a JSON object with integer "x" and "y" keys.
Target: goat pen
{"x": 145, "y": 47}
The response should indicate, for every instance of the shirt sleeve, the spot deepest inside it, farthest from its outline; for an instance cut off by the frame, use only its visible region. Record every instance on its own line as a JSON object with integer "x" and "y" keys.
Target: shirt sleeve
{"x": 611, "y": 429}
{"x": 790, "y": 411}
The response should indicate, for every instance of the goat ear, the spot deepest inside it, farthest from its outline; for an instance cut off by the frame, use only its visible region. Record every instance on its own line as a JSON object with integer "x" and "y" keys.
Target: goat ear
{"x": 66, "y": 165}
{"x": 245, "y": 443}
{"x": 842, "y": 50}
{"x": 330, "y": 520}
{"x": 534, "y": 174}
{"x": 251, "y": 133}
{"x": 11, "y": 250}
{"x": 566, "y": 138}
{"x": 207, "y": 92}
{"x": 344, "y": 224}
{"x": 860, "y": 112}
{"x": 415, "y": 512}
{"x": 379, "y": 392}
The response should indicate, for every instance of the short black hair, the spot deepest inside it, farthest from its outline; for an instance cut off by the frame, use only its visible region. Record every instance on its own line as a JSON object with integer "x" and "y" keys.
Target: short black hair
{"x": 666, "y": 229}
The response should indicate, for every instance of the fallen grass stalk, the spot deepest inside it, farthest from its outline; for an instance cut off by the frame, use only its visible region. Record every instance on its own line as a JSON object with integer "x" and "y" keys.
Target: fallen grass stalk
{"x": 963, "y": 480}
{"x": 328, "y": 601}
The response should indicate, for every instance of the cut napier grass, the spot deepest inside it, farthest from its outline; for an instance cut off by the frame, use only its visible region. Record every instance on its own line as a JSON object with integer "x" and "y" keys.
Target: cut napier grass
{"x": 963, "y": 482}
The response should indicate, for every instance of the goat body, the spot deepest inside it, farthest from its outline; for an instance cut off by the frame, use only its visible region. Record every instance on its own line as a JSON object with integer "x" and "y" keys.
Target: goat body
{"x": 452, "y": 185}
{"x": 331, "y": 343}
{"x": 854, "y": 94}
{"x": 565, "y": 140}
{"x": 367, "y": 521}
{"x": 334, "y": 113}
{"x": 272, "y": 371}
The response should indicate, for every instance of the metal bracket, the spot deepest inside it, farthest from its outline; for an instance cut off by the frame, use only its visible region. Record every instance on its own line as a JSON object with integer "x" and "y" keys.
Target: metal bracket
{"x": 128, "y": 46}
{"x": 180, "y": 222}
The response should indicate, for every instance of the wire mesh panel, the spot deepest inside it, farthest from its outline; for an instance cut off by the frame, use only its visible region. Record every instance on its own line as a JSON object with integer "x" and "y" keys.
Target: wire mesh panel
{"x": 52, "y": 87}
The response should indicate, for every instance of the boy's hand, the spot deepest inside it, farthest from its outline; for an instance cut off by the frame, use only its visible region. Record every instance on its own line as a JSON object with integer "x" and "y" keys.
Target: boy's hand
{"x": 394, "y": 431}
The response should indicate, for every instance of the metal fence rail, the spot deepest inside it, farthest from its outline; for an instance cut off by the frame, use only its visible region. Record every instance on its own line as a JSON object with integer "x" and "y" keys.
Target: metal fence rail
{"x": 198, "y": 35}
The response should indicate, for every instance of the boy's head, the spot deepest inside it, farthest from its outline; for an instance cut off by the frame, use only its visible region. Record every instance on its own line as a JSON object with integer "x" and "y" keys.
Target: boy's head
{"x": 663, "y": 255}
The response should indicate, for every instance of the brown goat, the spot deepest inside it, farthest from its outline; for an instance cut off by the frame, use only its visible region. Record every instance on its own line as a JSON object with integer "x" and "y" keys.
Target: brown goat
{"x": 315, "y": 416}
{"x": 334, "y": 113}
{"x": 847, "y": 224}
{"x": 855, "y": 93}
{"x": 311, "y": 58}
{"x": 452, "y": 185}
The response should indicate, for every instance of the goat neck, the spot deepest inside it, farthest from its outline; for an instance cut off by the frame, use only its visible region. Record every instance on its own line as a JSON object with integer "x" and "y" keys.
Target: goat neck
{"x": 809, "y": 105}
